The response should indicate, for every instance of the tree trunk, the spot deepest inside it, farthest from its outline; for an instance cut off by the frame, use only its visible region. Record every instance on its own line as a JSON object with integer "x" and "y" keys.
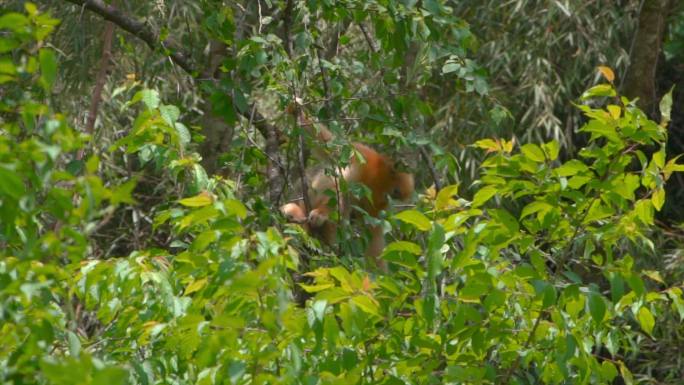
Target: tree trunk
{"x": 640, "y": 81}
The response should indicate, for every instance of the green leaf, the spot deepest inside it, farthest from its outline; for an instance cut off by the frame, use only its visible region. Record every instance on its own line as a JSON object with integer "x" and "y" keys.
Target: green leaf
{"x": 598, "y": 90}
{"x": 169, "y": 114}
{"x": 536, "y": 206}
{"x": 13, "y": 21}
{"x": 533, "y": 152}
{"x": 570, "y": 168}
{"x": 483, "y": 195}
{"x": 626, "y": 374}
{"x": 415, "y": 218}
{"x": 74, "y": 344}
{"x": 366, "y": 304}
{"x": 11, "y": 184}
{"x": 666, "y": 108}
{"x": 149, "y": 97}
{"x": 646, "y": 320}
{"x": 199, "y": 200}
{"x": 48, "y": 68}
{"x": 124, "y": 193}
{"x": 597, "y": 307}
{"x": 608, "y": 371}
{"x": 235, "y": 207}
{"x": 408, "y": 247}
{"x": 444, "y": 197}
{"x": 183, "y": 133}
{"x": 551, "y": 149}
{"x": 658, "y": 198}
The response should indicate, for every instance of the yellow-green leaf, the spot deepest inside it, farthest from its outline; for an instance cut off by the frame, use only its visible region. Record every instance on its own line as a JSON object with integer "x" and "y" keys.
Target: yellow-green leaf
{"x": 598, "y": 90}
{"x": 408, "y": 247}
{"x": 199, "y": 200}
{"x": 533, "y": 152}
{"x": 195, "y": 286}
{"x": 483, "y": 195}
{"x": 366, "y": 304}
{"x": 658, "y": 198}
{"x": 415, "y": 218}
{"x": 444, "y": 197}
{"x": 646, "y": 320}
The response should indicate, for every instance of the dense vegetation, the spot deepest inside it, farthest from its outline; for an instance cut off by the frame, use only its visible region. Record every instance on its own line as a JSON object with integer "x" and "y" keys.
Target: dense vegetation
{"x": 145, "y": 150}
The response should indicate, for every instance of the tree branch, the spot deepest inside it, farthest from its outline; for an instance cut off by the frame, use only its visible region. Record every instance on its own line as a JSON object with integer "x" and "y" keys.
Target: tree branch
{"x": 138, "y": 28}
{"x": 100, "y": 80}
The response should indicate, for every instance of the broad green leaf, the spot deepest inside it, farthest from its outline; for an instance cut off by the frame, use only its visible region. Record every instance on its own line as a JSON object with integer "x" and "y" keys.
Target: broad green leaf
{"x": 366, "y": 304}
{"x": 598, "y": 90}
{"x": 597, "y": 307}
{"x": 199, "y": 200}
{"x": 169, "y": 114}
{"x": 644, "y": 211}
{"x": 534, "y": 207}
{"x": 483, "y": 195}
{"x": 409, "y": 247}
{"x": 646, "y": 320}
{"x": 658, "y": 198}
{"x": 551, "y": 149}
{"x": 11, "y": 184}
{"x": 488, "y": 144}
{"x": 48, "y": 68}
{"x": 74, "y": 344}
{"x": 608, "y": 371}
{"x": 13, "y": 21}
{"x": 235, "y": 207}
{"x": 183, "y": 133}
{"x": 415, "y": 218}
{"x": 570, "y": 168}
{"x": 149, "y": 97}
{"x": 196, "y": 285}
{"x": 444, "y": 197}
{"x": 597, "y": 211}
{"x": 533, "y": 152}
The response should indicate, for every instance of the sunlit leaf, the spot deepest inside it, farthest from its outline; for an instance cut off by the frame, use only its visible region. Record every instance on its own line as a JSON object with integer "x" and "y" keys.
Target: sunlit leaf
{"x": 415, "y": 218}
{"x": 202, "y": 199}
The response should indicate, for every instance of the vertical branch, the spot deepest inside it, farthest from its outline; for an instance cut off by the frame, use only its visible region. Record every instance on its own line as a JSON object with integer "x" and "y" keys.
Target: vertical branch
{"x": 431, "y": 167}
{"x": 301, "y": 156}
{"x": 100, "y": 80}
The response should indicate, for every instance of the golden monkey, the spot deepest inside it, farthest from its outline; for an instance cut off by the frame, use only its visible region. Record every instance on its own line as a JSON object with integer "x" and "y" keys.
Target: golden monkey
{"x": 375, "y": 171}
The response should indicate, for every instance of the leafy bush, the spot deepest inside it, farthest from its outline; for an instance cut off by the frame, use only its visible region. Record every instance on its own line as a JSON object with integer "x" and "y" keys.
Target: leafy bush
{"x": 478, "y": 292}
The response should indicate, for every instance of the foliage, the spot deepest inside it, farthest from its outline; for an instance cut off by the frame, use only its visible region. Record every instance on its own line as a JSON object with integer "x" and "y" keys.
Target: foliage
{"x": 530, "y": 281}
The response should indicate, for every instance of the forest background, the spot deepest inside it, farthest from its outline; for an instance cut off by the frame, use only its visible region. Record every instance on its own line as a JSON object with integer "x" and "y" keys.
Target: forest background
{"x": 145, "y": 149}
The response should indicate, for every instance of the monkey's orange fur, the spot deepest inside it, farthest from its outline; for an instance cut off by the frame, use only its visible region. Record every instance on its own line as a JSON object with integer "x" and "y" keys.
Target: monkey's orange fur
{"x": 375, "y": 171}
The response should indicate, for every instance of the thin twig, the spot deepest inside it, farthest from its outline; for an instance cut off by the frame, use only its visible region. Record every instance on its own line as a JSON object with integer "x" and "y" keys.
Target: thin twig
{"x": 431, "y": 167}
{"x": 100, "y": 81}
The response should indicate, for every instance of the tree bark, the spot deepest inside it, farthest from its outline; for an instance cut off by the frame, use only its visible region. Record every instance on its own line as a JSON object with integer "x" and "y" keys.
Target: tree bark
{"x": 640, "y": 81}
